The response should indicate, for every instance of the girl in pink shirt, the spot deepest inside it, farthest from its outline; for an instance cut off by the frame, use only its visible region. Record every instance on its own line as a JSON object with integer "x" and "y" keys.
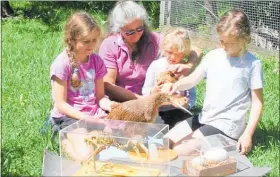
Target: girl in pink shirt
{"x": 129, "y": 50}
{"x": 77, "y": 74}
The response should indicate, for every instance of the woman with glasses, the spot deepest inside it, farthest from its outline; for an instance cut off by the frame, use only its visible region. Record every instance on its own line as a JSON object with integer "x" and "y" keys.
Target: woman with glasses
{"x": 129, "y": 50}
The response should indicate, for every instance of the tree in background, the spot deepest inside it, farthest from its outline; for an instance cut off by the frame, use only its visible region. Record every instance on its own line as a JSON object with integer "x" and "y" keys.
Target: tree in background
{"x": 6, "y": 10}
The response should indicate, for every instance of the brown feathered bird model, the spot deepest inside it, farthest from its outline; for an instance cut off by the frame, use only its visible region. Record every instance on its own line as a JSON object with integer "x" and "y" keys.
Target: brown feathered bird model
{"x": 144, "y": 109}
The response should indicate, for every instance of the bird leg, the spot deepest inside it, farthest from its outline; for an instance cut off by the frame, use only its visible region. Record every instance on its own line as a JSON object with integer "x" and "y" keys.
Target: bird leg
{"x": 97, "y": 150}
{"x": 135, "y": 145}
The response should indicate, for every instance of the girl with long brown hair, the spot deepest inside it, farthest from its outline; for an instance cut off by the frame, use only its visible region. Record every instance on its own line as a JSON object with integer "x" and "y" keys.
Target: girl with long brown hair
{"x": 77, "y": 74}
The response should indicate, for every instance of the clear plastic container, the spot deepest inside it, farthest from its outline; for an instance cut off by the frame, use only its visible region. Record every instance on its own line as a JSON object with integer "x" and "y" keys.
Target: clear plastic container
{"x": 210, "y": 156}
{"x": 98, "y": 147}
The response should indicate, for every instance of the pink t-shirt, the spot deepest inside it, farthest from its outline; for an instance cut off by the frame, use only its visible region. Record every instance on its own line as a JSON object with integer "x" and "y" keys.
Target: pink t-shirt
{"x": 115, "y": 54}
{"x": 82, "y": 98}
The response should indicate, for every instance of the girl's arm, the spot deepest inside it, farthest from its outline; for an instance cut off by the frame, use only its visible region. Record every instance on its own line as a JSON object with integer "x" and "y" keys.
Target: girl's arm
{"x": 60, "y": 99}
{"x": 102, "y": 100}
{"x": 189, "y": 82}
{"x": 184, "y": 83}
{"x": 115, "y": 92}
{"x": 245, "y": 141}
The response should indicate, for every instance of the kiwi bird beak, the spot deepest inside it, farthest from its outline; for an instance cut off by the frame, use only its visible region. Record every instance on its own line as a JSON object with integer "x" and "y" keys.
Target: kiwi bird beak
{"x": 184, "y": 109}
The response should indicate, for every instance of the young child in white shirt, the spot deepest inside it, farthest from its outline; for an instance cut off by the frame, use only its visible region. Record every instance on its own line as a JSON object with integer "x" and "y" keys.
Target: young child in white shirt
{"x": 175, "y": 49}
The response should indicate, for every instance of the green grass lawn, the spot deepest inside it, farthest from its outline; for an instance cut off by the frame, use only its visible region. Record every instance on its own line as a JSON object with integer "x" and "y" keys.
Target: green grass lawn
{"x": 28, "y": 48}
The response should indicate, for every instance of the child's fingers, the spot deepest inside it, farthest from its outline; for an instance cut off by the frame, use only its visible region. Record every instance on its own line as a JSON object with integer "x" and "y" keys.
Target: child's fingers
{"x": 160, "y": 86}
{"x": 242, "y": 148}
{"x": 176, "y": 69}
{"x": 171, "y": 93}
{"x": 238, "y": 146}
{"x": 172, "y": 68}
{"x": 180, "y": 69}
{"x": 247, "y": 148}
{"x": 173, "y": 90}
{"x": 166, "y": 88}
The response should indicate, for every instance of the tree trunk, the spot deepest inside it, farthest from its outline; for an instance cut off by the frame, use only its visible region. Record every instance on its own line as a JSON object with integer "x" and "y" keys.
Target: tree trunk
{"x": 6, "y": 10}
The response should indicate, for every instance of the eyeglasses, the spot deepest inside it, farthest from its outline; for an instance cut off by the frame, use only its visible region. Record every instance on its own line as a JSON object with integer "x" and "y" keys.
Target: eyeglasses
{"x": 131, "y": 32}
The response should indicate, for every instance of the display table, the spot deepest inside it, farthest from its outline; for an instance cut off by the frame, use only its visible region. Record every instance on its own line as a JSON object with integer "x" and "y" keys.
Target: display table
{"x": 51, "y": 166}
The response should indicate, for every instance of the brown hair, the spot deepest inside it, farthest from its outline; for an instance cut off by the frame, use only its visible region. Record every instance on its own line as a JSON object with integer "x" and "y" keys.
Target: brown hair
{"x": 235, "y": 22}
{"x": 79, "y": 25}
{"x": 176, "y": 36}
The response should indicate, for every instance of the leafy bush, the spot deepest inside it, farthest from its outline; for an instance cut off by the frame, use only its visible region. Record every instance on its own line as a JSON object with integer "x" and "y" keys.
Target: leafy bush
{"x": 54, "y": 13}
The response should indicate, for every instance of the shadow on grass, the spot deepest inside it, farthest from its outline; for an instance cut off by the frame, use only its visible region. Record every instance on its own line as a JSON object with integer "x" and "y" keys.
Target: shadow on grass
{"x": 7, "y": 157}
{"x": 264, "y": 137}
{"x": 51, "y": 141}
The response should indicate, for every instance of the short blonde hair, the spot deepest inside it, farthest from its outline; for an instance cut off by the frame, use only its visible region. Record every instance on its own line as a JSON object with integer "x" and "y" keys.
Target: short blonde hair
{"x": 176, "y": 36}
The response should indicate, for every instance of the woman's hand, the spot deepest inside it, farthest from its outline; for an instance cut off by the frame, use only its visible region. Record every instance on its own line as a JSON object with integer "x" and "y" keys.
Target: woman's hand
{"x": 244, "y": 143}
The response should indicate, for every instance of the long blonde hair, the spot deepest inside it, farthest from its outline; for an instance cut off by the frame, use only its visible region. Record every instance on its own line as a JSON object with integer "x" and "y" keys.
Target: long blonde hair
{"x": 79, "y": 25}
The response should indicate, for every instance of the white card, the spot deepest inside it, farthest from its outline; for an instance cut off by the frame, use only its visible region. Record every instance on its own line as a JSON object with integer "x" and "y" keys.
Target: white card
{"x": 179, "y": 131}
